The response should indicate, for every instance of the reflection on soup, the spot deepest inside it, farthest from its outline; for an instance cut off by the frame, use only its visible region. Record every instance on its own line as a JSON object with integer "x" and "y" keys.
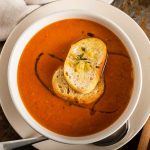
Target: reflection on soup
{"x": 45, "y": 52}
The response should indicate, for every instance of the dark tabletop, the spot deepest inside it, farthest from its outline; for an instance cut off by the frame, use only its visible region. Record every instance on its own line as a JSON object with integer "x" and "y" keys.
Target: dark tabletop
{"x": 139, "y": 10}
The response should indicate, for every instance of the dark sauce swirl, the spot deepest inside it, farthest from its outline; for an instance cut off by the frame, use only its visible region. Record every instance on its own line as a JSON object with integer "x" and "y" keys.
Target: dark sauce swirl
{"x": 92, "y": 109}
{"x": 38, "y": 76}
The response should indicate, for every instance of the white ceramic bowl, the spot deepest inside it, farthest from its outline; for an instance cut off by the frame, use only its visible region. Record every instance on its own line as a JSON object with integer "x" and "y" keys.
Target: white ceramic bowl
{"x": 25, "y": 38}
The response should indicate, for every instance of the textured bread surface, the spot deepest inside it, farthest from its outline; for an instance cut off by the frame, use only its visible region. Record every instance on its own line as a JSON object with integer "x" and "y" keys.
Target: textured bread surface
{"x": 84, "y": 64}
{"x": 64, "y": 91}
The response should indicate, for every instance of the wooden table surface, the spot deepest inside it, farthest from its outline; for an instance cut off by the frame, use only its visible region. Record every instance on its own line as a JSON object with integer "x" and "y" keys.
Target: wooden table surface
{"x": 139, "y": 10}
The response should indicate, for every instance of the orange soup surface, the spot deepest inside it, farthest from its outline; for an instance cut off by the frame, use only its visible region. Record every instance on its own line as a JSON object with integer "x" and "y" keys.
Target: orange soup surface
{"x": 45, "y": 52}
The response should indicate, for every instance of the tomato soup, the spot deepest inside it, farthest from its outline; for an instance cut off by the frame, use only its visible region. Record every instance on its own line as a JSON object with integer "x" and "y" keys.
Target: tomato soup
{"x": 45, "y": 52}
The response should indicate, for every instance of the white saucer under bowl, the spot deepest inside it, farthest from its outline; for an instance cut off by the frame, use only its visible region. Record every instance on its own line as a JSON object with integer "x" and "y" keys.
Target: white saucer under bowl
{"x": 136, "y": 34}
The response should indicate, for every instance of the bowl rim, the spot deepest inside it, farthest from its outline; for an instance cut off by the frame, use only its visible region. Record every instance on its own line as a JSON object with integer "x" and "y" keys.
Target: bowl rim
{"x": 35, "y": 124}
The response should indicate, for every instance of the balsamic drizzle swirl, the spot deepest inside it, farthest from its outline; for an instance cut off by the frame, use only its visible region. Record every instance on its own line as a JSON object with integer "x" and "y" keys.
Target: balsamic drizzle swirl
{"x": 119, "y": 54}
{"x": 55, "y": 57}
{"x": 92, "y": 109}
{"x": 90, "y": 34}
{"x": 37, "y": 74}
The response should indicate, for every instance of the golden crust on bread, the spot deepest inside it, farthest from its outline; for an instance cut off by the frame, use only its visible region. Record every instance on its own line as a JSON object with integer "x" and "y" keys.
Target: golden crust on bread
{"x": 64, "y": 91}
{"x": 84, "y": 64}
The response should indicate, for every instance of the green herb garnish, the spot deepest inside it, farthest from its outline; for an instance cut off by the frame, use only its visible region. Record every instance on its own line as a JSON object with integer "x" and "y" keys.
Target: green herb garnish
{"x": 83, "y": 49}
{"x": 79, "y": 57}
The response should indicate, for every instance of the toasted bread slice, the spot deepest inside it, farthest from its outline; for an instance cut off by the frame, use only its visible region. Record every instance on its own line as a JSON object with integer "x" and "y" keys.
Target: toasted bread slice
{"x": 64, "y": 91}
{"x": 84, "y": 64}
